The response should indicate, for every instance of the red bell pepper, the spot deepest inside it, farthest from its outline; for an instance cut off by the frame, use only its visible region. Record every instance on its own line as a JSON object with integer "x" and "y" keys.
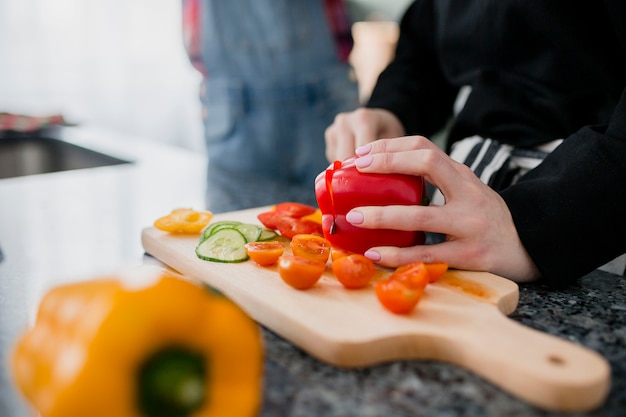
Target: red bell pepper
{"x": 342, "y": 187}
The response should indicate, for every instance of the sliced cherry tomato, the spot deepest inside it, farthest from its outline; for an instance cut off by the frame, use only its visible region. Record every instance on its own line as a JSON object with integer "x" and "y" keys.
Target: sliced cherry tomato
{"x": 310, "y": 246}
{"x": 436, "y": 270}
{"x": 291, "y": 226}
{"x": 265, "y": 253}
{"x": 336, "y": 253}
{"x": 414, "y": 275}
{"x": 184, "y": 220}
{"x": 354, "y": 271}
{"x": 296, "y": 210}
{"x": 396, "y": 297}
{"x": 300, "y": 273}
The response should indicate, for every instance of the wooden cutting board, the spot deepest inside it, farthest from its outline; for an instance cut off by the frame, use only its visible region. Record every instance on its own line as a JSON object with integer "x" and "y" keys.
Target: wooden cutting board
{"x": 461, "y": 319}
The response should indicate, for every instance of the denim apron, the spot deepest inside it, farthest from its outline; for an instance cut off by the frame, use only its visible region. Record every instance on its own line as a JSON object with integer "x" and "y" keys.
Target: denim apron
{"x": 274, "y": 84}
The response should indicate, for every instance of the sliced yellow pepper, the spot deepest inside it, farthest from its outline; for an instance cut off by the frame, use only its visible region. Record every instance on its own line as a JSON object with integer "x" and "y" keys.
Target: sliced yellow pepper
{"x": 153, "y": 346}
{"x": 184, "y": 220}
{"x": 316, "y": 216}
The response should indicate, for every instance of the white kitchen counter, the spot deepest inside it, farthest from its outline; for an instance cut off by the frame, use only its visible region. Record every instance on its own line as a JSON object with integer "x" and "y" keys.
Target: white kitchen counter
{"x": 79, "y": 224}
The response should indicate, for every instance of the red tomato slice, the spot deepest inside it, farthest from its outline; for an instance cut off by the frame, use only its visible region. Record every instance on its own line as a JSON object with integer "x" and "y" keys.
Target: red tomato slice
{"x": 310, "y": 246}
{"x": 354, "y": 271}
{"x": 294, "y": 209}
{"x": 396, "y": 296}
{"x": 300, "y": 273}
{"x": 436, "y": 270}
{"x": 265, "y": 253}
{"x": 290, "y": 226}
{"x": 414, "y": 275}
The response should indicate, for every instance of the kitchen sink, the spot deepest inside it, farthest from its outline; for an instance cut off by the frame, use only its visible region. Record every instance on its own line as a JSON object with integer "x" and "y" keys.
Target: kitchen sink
{"x": 30, "y": 155}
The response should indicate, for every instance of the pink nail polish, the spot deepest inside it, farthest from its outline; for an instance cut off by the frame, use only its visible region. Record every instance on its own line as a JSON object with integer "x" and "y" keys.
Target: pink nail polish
{"x": 363, "y": 150}
{"x": 363, "y": 161}
{"x": 372, "y": 255}
{"x": 354, "y": 217}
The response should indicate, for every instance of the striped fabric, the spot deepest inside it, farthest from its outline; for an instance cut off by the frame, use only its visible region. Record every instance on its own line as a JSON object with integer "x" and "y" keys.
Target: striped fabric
{"x": 497, "y": 165}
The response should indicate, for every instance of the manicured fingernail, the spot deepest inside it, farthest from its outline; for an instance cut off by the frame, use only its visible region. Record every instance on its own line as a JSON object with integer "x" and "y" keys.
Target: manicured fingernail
{"x": 372, "y": 255}
{"x": 354, "y": 217}
{"x": 363, "y": 161}
{"x": 363, "y": 150}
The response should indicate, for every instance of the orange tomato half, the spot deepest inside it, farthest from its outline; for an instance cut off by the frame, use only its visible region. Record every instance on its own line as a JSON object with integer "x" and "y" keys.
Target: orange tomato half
{"x": 354, "y": 271}
{"x": 300, "y": 273}
{"x": 336, "y": 253}
{"x": 265, "y": 253}
{"x": 396, "y": 297}
{"x": 310, "y": 246}
{"x": 436, "y": 270}
{"x": 413, "y": 275}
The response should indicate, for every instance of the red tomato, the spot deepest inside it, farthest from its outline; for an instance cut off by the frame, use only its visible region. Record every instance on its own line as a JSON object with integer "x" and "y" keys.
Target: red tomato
{"x": 354, "y": 271}
{"x": 396, "y": 296}
{"x": 294, "y": 209}
{"x": 342, "y": 187}
{"x": 435, "y": 270}
{"x": 265, "y": 253}
{"x": 291, "y": 226}
{"x": 300, "y": 273}
{"x": 310, "y": 246}
{"x": 414, "y": 275}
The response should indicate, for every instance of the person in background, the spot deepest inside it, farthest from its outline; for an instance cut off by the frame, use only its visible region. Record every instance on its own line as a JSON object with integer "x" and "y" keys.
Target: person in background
{"x": 532, "y": 181}
{"x": 275, "y": 74}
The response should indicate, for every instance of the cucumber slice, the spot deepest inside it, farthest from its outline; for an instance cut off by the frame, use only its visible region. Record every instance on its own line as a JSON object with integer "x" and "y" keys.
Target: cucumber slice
{"x": 267, "y": 234}
{"x": 224, "y": 245}
{"x": 252, "y": 232}
{"x": 214, "y": 227}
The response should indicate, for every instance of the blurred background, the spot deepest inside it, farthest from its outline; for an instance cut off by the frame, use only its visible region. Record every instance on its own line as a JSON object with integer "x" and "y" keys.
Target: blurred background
{"x": 121, "y": 65}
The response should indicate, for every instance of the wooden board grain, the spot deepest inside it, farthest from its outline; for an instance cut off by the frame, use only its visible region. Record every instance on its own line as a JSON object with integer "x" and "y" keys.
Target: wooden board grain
{"x": 461, "y": 320}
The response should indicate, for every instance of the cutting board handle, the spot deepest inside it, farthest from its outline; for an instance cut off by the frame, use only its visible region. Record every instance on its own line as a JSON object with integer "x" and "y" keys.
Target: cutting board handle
{"x": 545, "y": 370}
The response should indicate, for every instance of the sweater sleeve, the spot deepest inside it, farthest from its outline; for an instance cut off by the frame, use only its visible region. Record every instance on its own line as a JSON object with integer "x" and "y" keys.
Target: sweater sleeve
{"x": 570, "y": 211}
{"x": 413, "y": 86}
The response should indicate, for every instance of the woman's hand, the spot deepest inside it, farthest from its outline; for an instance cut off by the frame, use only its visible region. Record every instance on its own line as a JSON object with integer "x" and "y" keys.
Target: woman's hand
{"x": 479, "y": 229}
{"x": 358, "y": 128}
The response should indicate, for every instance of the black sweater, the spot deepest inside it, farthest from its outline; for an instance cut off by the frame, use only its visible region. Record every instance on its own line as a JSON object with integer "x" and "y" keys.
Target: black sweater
{"x": 539, "y": 70}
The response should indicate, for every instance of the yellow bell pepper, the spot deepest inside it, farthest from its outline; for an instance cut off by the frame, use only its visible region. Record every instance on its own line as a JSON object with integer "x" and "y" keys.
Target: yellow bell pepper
{"x": 151, "y": 344}
{"x": 184, "y": 220}
{"x": 316, "y": 216}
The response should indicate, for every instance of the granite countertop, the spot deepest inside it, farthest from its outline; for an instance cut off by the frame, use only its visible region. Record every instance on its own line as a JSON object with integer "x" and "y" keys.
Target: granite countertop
{"x": 74, "y": 225}
{"x": 591, "y": 313}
